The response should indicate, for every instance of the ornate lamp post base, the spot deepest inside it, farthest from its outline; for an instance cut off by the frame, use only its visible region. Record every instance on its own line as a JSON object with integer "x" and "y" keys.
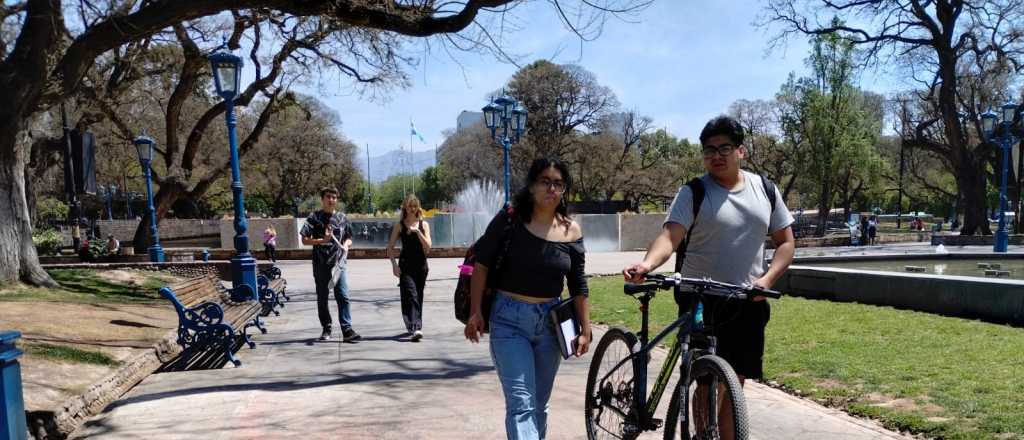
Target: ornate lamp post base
{"x": 243, "y": 277}
{"x": 156, "y": 254}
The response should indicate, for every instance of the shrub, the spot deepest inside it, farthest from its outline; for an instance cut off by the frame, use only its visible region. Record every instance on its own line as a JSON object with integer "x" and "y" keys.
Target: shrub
{"x": 47, "y": 241}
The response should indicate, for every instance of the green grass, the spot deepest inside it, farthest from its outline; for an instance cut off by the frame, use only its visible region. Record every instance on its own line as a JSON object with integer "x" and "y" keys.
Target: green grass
{"x": 944, "y": 377}
{"x": 85, "y": 286}
{"x": 69, "y": 354}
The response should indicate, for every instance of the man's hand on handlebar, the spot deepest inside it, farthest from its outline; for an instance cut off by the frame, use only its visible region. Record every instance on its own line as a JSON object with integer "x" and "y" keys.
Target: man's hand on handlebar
{"x": 761, "y": 283}
{"x": 634, "y": 273}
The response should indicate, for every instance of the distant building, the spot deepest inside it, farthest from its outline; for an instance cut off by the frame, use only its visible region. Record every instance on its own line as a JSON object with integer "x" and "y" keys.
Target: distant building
{"x": 468, "y": 119}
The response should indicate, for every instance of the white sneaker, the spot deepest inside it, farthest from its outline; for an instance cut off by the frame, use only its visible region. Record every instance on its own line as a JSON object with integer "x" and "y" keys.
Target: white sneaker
{"x": 416, "y": 336}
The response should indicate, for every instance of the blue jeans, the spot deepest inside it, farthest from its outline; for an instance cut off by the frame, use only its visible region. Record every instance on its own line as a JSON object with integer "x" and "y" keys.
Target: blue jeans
{"x": 526, "y": 355}
{"x": 322, "y": 277}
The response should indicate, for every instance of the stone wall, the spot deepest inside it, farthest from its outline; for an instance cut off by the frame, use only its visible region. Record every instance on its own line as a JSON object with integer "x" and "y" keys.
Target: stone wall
{"x": 221, "y": 268}
{"x": 287, "y": 233}
{"x": 1000, "y": 301}
{"x": 170, "y": 229}
{"x": 638, "y": 230}
{"x": 972, "y": 240}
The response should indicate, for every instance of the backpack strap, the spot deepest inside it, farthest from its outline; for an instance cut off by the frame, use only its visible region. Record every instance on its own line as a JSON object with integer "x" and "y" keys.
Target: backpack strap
{"x": 769, "y": 190}
{"x": 697, "y": 190}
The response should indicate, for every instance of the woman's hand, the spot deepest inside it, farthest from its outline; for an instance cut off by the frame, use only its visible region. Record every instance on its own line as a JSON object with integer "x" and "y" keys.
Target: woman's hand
{"x": 474, "y": 327}
{"x": 582, "y": 344}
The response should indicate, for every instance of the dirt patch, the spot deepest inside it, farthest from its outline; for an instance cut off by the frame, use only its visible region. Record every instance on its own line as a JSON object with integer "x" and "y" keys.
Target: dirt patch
{"x": 118, "y": 330}
{"x": 919, "y": 405}
{"x": 830, "y": 384}
{"x": 133, "y": 277}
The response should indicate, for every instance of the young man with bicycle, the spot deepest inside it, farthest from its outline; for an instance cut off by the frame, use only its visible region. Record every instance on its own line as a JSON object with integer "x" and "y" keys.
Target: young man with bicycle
{"x": 727, "y": 244}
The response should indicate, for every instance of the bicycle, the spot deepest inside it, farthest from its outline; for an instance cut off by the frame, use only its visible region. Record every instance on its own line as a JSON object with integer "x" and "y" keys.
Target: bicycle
{"x": 621, "y": 391}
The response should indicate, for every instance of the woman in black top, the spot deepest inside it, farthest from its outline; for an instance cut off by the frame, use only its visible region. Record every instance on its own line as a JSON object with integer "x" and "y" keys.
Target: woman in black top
{"x": 411, "y": 268}
{"x": 545, "y": 249}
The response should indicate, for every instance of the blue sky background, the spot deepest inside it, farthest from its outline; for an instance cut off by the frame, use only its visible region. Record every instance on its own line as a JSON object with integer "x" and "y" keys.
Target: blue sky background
{"x": 680, "y": 62}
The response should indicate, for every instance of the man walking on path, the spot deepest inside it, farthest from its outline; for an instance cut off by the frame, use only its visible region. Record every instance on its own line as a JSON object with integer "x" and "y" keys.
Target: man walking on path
{"x": 330, "y": 234}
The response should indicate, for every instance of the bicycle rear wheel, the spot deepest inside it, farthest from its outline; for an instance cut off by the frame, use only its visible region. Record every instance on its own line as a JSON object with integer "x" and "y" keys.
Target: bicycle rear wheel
{"x": 713, "y": 406}
{"x": 609, "y": 407}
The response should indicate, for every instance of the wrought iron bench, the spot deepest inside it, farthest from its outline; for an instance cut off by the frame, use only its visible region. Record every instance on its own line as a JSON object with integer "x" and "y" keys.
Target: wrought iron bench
{"x": 209, "y": 319}
{"x": 272, "y": 290}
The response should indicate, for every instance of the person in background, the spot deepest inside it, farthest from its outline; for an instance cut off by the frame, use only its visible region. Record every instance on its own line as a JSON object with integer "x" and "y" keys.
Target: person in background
{"x": 113, "y": 246}
{"x": 864, "y": 230}
{"x": 872, "y": 229}
{"x": 270, "y": 243}
{"x": 411, "y": 267}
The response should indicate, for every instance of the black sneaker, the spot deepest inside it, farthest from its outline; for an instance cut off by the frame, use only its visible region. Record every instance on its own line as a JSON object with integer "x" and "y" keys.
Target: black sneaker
{"x": 326, "y": 335}
{"x": 417, "y": 335}
{"x": 349, "y": 335}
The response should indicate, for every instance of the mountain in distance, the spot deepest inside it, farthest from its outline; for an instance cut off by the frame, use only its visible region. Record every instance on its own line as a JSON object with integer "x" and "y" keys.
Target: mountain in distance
{"x": 394, "y": 162}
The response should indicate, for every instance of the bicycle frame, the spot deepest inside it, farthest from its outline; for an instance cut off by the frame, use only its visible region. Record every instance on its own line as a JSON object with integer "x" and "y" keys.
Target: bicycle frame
{"x": 641, "y": 357}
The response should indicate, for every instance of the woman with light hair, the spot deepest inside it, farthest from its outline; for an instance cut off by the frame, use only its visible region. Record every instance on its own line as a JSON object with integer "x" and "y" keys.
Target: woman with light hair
{"x": 270, "y": 242}
{"x": 411, "y": 267}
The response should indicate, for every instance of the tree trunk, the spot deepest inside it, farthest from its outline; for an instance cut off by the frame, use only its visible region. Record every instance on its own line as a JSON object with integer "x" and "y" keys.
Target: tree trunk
{"x": 971, "y": 180}
{"x": 18, "y": 258}
{"x": 824, "y": 208}
{"x": 163, "y": 199}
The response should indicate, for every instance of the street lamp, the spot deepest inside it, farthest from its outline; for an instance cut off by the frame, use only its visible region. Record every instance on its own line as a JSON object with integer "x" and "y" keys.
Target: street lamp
{"x": 1006, "y": 137}
{"x": 507, "y": 114}
{"x": 144, "y": 146}
{"x": 227, "y": 71}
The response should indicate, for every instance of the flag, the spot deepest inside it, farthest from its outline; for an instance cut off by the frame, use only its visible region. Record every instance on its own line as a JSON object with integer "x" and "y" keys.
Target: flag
{"x": 416, "y": 133}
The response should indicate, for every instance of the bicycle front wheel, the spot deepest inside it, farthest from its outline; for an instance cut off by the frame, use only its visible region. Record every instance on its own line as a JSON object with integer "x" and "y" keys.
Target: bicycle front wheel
{"x": 710, "y": 407}
{"x": 609, "y": 407}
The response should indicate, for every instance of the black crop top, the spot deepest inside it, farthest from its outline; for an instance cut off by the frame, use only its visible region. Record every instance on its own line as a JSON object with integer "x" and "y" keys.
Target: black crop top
{"x": 534, "y": 266}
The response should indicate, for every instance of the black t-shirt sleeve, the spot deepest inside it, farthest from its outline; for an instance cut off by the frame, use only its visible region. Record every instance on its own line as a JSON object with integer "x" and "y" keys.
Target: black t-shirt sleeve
{"x": 487, "y": 247}
{"x": 312, "y": 227}
{"x": 576, "y": 278}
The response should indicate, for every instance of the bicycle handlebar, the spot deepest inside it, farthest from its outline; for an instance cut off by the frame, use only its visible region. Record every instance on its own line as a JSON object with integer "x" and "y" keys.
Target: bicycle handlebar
{"x": 704, "y": 285}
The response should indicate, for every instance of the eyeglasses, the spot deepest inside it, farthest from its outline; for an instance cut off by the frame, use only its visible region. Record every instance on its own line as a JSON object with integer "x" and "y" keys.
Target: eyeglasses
{"x": 557, "y": 185}
{"x": 722, "y": 150}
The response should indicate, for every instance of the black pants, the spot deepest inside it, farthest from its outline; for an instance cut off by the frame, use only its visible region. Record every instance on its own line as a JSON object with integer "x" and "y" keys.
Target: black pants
{"x": 271, "y": 252}
{"x": 410, "y": 286}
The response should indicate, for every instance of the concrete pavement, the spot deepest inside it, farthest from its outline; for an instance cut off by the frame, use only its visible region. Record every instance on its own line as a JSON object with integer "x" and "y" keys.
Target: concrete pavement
{"x": 386, "y": 387}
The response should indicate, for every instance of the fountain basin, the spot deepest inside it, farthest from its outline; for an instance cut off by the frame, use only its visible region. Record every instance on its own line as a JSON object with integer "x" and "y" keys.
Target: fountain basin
{"x": 994, "y": 299}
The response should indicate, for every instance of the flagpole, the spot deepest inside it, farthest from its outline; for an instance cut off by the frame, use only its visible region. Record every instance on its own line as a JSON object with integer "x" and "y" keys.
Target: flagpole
{"x": 369, "y": 181}
{"x": 410, "y": 157}
{"x": 401, "y": 167}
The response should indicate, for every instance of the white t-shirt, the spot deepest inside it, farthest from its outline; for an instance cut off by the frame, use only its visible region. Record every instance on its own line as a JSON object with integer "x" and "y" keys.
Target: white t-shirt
{"x": 727, "y": 243}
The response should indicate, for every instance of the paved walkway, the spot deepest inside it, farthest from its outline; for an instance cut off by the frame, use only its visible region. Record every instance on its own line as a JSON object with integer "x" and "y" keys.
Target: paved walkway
{"x": 385, "y": 387}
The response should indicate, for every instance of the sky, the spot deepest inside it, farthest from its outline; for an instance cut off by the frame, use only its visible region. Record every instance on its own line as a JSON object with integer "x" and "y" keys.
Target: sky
{"x": 678, "y": 62}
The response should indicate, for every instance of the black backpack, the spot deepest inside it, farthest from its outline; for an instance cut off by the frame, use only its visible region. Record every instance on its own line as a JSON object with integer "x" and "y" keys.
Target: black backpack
{"x": 697, "y": 188}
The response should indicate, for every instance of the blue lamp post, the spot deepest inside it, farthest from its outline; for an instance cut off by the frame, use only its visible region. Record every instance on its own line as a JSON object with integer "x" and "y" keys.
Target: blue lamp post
{"x": 12, "y": 401}
{"x": 1005, "y": 139}
{"x": 507, "y": 114}
{"x": 144, "y": 145}
{"x": 227, "y": 71}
